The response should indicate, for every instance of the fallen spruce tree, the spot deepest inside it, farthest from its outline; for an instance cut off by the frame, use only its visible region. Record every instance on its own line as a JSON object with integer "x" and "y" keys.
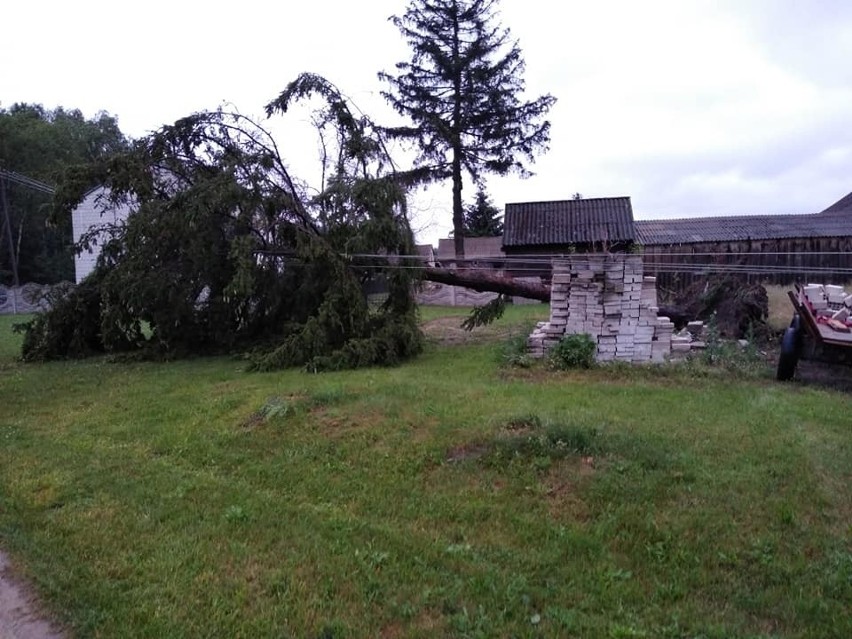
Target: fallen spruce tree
{"x": 226, "y": 252}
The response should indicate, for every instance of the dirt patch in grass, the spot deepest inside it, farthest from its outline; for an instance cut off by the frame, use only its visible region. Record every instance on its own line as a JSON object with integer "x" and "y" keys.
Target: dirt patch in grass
{"x": 520, "y": 426}
{"x": 563, "y": 485}
{"x": 448, "y": 331}
{"x": 20, "y": 617}
{"x": 465, "y": 452}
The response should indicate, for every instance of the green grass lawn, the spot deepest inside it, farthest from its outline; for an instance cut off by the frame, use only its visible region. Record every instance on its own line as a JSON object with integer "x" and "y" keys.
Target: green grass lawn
{"x": 445, "y": 497}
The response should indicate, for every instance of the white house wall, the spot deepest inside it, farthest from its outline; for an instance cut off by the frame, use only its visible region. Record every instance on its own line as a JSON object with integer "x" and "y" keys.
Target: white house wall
{"x": 94, "y": 210}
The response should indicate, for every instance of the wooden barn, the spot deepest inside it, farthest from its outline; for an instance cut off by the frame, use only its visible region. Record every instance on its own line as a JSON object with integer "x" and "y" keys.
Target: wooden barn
{"x": 774, "y": 248}
{"x": 770, "y": 248}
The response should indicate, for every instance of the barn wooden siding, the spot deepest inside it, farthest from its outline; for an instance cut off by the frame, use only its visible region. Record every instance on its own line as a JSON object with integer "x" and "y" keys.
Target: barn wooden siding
{"x": 770, "y": 261}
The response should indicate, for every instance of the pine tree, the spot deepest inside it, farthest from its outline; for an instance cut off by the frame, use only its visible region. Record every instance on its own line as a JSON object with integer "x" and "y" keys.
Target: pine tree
{"x": 463, "y": 91}
{"x": 482, "y": 218}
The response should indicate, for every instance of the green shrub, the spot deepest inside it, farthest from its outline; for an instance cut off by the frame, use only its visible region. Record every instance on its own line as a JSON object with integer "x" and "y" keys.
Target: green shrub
{"x": 514, "y": 353}
{"x": 573, "y": 351}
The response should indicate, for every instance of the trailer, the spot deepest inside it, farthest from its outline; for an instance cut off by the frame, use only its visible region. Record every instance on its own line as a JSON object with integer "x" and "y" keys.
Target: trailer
{"x": 814, "y": 334}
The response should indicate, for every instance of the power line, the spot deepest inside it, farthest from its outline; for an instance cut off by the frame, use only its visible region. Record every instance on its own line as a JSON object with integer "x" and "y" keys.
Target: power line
{"x": 28, "y": 182}
{"x": 548, "y": 260}
{"x": 694, "y": 269}
{"x": 23, "y": 180}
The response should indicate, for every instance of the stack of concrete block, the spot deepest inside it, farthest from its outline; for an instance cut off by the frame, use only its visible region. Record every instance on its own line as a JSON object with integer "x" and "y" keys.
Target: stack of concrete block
{"x": 661, "y": 343}
{"x": 698, "y": 331}
{"x": 681, "y": 344}
{"x": 835, "y": 295}
{"x": 547, "y": 334}
{"x": 815, "y": 294}
{"x": 661, "y": 347}
{"x": 536, "y": 341}
{"x": 689, "y": 339}
{"x": 585, "y": 306}
{"x": 608, "y": 298}
{"x": 829, "y": 300}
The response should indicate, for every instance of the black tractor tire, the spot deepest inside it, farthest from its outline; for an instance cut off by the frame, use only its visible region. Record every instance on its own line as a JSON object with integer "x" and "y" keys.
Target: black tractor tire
{"x": 789, "y": 357}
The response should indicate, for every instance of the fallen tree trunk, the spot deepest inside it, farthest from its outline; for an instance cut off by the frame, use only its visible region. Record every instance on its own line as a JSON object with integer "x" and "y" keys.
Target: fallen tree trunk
{"x": 482, "y": 281}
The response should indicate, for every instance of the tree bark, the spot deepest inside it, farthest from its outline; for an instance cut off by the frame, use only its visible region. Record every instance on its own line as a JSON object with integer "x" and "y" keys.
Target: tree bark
{"x": 485, "y": 281}
{"x": 482, "y": 281}
{"x": 456, "y": 144}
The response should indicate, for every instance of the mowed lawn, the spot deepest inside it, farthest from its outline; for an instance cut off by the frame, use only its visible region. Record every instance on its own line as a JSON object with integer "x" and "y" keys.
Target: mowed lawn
{"x": 447, "y": 497}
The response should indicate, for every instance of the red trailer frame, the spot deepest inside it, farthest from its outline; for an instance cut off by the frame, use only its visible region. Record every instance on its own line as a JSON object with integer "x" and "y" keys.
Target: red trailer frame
{"x": 809, "y": 339}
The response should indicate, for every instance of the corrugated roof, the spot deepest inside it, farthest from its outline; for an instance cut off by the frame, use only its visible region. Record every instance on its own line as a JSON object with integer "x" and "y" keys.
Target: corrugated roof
{"x": 562, "y": 222}
{"x": 742, "y": 227}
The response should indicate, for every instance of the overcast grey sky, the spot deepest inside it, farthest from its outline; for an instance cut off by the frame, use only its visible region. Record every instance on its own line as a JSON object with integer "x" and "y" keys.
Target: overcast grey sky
{"x": 691, "y": 107}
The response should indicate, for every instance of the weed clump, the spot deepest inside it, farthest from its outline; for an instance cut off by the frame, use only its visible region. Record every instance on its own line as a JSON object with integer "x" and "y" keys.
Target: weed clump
{"x": 741, "y": 360}
{"x": 514, "y": 353}
{"x": 529, "y": 421}
{"x": 530, "y": 437}
{"x": 573, "y": 351}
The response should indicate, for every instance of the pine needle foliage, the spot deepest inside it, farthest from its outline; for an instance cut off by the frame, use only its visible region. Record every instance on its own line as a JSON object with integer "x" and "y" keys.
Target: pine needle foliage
{"x": 487, "y": 313}
{"x": 482, "y": 218}
{"x": 226, "y": 252}
{"x": 463, "y": 91}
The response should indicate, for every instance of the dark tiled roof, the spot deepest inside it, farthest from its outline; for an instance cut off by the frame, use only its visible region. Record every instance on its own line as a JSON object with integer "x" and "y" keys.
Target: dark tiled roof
{"x": 742, "y": 227}
{"x": 842, "y": 204}
{"x": 607, "y": 219}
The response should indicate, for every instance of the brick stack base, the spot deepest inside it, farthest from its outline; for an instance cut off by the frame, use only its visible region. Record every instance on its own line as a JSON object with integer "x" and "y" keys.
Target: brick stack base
{"x": 608, "y": 298}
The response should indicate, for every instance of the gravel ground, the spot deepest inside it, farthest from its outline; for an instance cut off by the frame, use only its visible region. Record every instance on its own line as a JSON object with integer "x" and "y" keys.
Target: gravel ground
{"x": 20, "y": 617}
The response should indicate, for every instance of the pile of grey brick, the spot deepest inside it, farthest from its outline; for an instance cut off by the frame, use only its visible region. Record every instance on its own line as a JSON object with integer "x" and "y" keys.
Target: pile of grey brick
{"x": 608, "y": 298}
{"x": 689, "y": 339}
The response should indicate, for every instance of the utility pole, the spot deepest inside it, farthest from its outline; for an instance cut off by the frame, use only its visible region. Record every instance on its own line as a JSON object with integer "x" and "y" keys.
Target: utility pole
{"x": 23, "y": 180}
{"x": 7, "y": 230}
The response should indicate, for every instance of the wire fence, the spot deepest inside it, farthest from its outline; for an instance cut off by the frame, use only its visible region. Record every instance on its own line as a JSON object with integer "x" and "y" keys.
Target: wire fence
{"x": 28, "y": 298}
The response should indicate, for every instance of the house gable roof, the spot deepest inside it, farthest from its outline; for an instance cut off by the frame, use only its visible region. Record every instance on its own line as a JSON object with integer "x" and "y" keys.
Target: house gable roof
{"x": 560, "y": 222}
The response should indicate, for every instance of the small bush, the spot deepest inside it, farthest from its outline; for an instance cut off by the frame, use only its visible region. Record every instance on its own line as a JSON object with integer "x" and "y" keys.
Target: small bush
{"x": 573, "y": 351}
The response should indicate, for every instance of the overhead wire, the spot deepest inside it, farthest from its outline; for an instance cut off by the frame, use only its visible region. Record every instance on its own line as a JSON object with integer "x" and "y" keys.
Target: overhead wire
{"x": 745, "y": 264}
{"x": 23, "y": 180}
